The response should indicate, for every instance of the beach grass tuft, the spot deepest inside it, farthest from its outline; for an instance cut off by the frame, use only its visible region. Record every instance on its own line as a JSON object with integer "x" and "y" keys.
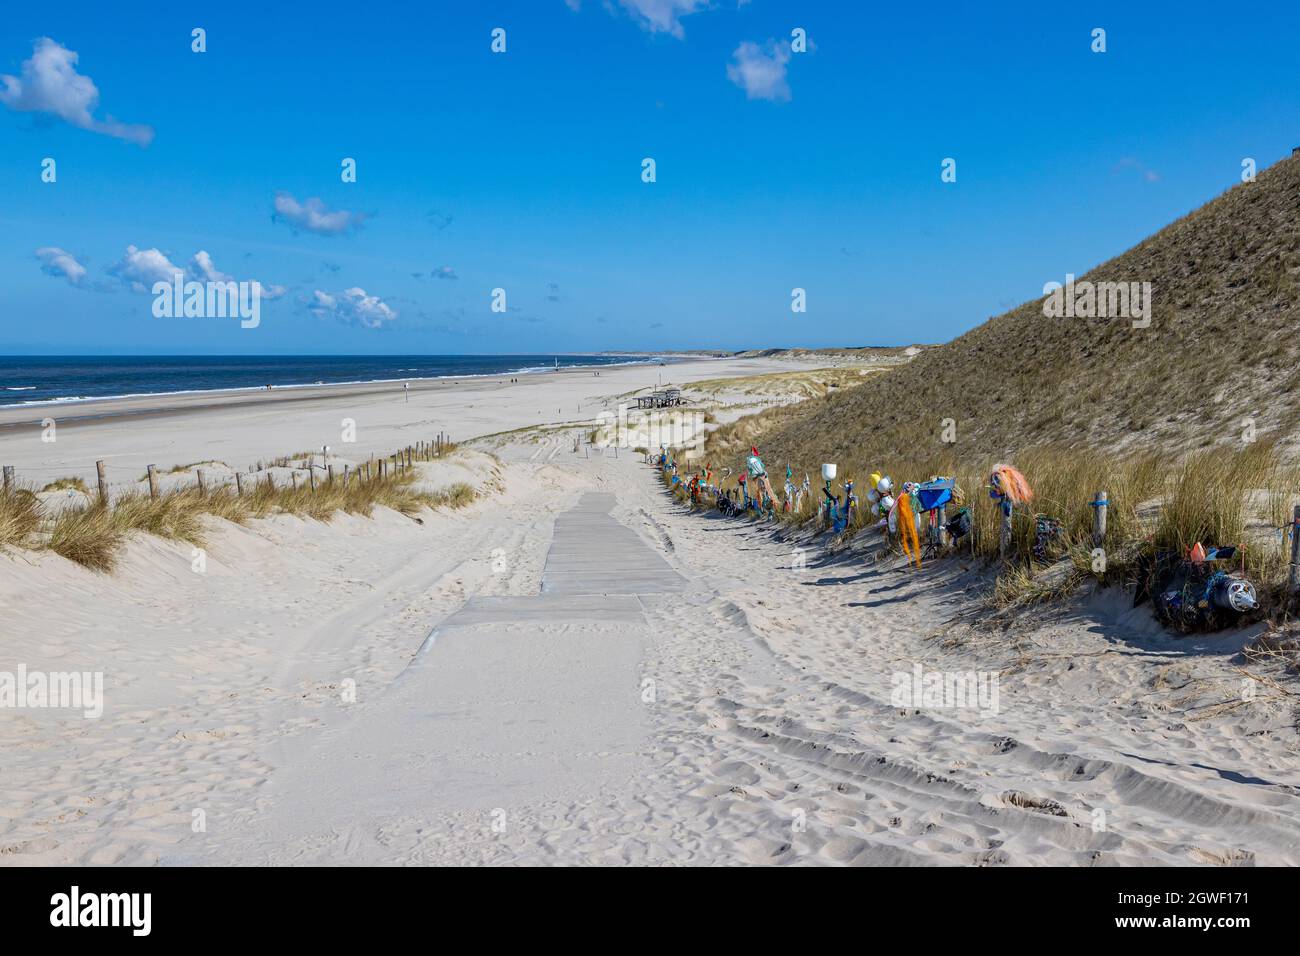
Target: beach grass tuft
{"x": 20, "y": 517}
{"x": 67, "y": 484}
{"x": 1221, "y": 495}
{"x": 92, "y": 535}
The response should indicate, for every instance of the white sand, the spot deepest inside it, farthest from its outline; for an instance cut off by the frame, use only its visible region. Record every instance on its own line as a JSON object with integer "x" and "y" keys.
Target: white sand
{"x": 676, "y": 694}
{"x": 239, "y": 428}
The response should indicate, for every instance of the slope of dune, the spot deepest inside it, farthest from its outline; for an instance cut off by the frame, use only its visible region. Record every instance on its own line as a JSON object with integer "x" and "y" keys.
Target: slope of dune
{"x": 1219, "y": 359}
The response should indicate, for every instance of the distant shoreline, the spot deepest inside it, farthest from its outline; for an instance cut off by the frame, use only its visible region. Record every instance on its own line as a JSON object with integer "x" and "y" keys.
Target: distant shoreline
{"x": 78, "y": 401}
{"x": 173, "y": 403}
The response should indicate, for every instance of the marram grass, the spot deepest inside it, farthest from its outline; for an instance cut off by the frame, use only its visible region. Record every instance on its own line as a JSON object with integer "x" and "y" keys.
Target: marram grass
{"x": 93, "y": 536}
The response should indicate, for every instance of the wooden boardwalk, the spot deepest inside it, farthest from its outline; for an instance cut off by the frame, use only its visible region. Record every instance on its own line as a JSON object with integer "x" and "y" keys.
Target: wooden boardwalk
{"x": 592, "y": 553}
{"x": 513, "y": 702}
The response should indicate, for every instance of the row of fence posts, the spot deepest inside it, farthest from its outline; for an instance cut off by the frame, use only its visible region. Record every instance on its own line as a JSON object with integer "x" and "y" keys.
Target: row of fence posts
{"x": 1100, "y": 506}
{"x": 395, "y": 464}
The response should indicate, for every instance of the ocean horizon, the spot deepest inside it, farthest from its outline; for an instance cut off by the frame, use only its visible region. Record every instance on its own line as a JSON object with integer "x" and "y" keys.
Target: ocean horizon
{"x": 45, "y": 380}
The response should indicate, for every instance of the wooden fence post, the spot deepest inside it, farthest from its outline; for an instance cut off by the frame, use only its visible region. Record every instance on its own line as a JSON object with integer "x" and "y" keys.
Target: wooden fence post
{"x": 1293, "y": 577}
{"x": 153, "y": 481}
{"x": 9, "y": 478}
{"x": 103, "y": 483}
{"x": 311, "y": 475}
{"x": 239, "y": 482}
{"x": 346, "y": 472}
{"x": 293, "y": 479}
{"x": 1099, "y": 507}
{"x": 329, "y": 470}
{"x": 202, "y": 487}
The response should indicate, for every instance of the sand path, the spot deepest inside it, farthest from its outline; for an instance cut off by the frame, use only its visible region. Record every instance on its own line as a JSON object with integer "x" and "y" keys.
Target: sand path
{"x": 578, "y": 671}
{"x": 677, "y": 692}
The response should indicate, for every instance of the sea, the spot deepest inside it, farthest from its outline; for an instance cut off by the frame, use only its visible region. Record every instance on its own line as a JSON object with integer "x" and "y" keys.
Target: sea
{"x": 40, "y": 380}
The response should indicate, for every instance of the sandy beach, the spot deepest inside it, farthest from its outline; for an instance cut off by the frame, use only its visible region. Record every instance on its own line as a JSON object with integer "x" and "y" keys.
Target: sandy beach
{"x": 575, "y": 670}
{"x": 242, "y": 427}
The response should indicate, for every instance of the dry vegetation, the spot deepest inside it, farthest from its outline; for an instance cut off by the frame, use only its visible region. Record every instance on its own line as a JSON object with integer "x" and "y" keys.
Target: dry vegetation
{"x": 873, "y": 355}
{"x": 813, "y": 383}
{"x": 1157, "y": 416}
{"x": 92, "y": 535}
{"x": 67, "y": 484}
{"x": 1221, "y": 347}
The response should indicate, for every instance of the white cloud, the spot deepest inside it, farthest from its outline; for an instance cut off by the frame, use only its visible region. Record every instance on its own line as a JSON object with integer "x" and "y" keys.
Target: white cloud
{"x": 662, "y": 16}
{"x": 141, "y": 268}
{"x": 61, "y": 264}
{"x": 1129, "y": 162}
{"x": 314, "y": 216}
{"x": 202, "y": 269}
{"x": 762, "y": 75}
{"x": 50, "y": 83}
{"x": 353, "y": 306}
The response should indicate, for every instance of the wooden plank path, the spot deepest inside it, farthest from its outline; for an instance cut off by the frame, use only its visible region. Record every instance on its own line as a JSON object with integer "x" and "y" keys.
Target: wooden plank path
{"x": 514, "y": 701}
{"x": 594, "y": 570}
{"x": 593, "y": 553}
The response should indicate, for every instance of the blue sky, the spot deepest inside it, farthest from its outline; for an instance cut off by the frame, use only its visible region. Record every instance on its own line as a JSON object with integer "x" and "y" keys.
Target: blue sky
{"x": 522, "y": 170}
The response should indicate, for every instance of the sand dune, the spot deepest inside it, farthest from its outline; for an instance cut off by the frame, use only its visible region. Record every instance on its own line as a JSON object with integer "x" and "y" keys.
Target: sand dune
{"x": 575, "y": 670}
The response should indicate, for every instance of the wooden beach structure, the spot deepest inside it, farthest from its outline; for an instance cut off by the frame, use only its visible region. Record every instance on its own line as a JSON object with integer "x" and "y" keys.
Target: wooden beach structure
{"x": 661, "y": 398}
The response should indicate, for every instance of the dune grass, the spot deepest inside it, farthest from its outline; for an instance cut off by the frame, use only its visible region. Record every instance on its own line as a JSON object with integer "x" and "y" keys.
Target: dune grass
{"x": 67, "y": 484}
{"x": 87, "y": 536}
{"x": 1157, "y": 502}
{"x": 799, "y": 383}
{"x": 20, "y": 517}
{"x": 92, "y": 535}
{"x": 177, "y": 469}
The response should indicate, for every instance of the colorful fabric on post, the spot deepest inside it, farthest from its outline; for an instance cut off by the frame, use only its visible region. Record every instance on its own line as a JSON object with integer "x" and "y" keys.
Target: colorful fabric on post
{"x": 907, "y": 529}
{"x": 930, "y": 498}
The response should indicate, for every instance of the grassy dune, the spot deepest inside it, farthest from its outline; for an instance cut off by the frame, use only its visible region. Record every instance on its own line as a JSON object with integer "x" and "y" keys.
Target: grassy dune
{"x": 1215, "y": 496}
{"x": 1220, "y": 359}
{"x": 92, "y": 535}
{"x": 1190, "y": 425}
{"x": 812, "y": 383}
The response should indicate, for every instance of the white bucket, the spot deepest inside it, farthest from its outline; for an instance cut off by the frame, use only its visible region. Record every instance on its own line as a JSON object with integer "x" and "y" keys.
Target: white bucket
{"x": 828, "y": 472}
